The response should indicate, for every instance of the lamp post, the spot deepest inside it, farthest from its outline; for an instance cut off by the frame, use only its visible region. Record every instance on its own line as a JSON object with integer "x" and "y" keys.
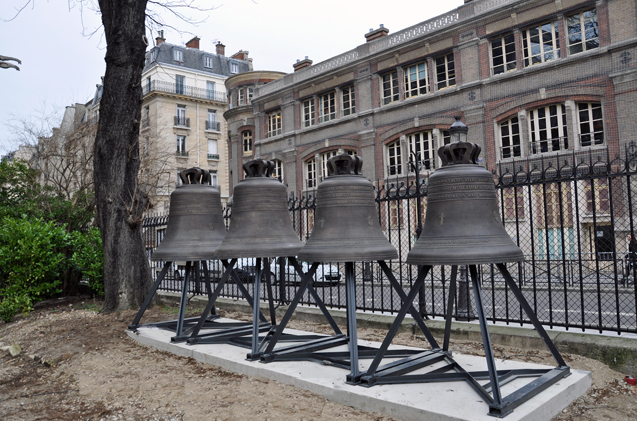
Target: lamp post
{"x": 416, "y": 165}
{"x": 458, "y": 132}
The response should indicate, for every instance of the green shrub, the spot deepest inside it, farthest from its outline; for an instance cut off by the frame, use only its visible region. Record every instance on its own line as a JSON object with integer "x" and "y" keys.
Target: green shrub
{"x": 88, "y": 257}
{"x": 31, "y": 261}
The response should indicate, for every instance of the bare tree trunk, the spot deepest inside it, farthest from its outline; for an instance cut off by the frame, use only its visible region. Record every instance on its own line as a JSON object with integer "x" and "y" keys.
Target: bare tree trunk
{"x": 120, "y": 204}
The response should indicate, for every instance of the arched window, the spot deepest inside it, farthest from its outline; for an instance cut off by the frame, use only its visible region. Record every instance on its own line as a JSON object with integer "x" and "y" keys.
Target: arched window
{"x": 510, "y": 138}
{"x": 394, "y": 160}
{"x": 591, "y": 123}
{"x": 278, "y": 170}
{"x": 547, "y": 128}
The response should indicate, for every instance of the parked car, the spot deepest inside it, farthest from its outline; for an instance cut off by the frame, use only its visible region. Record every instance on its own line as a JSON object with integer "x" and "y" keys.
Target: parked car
{"x": 246, "y": 270}
{"x": 326, "y": 274}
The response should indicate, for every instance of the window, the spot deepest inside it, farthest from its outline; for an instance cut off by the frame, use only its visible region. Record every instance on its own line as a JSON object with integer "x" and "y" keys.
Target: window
{"x": 597, "y": 196}
{"x": 548, "y": 129}
{"x": 211, "y": 122}
{"x": 327, "y": 107}
{"x": 234, "y": 68}
{"x": 214, "y": 179}
{"x": 181, "y": 146}
{"x": 513, "y": 202}
{"x": 180, "y": 118}
{"x": 274, "y": 123}
{"x": 325, "y": 156}
{"x": 207, "y": 61}
{"x": 394, "y": 161}
{"x": 395, "y": 214}
{"x": 247, "y": 142}
{"x": 416, "y": 80}
{"x": 422, "y": 144}
{"x": 446, "y": 137}
{"x": 308, "y": 112}
{"x": 250, "y": 95}
{"x": 390, "y": 87}
{"x": 349, "y": 101}
{"x": 146, "y": 117}
{"x": 510, "y": 139}
{"x": 591, "y": 124}
{"x": 213, "y": 152}
{"x": 503, "y": 54}
{"x": 179, "y": 84}
{"x": 178, "y": 55}
{"x": 310, "y": 173}
{"x": 210, "y": 90}
{"x": 445, "y": 71}
{"x": 583, "y": 34}
{"x": 554, "y": 220}
{"x": 148, "y": 85}
{"x": 277, "y": 171}
{"x": 541, "y": 44}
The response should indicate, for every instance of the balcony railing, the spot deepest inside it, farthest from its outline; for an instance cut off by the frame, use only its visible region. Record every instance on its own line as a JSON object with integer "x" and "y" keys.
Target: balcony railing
{"x": 213, "y": 156}
{"x": 510, "y": 151}
{"x": 191, "y": 91}
{"x": 591, "y": 139}
{"x": 213, "y": 125}
{"x": 182, "y": 153}
{"x": 548, "y": 145}
{"x": 182, "y": 121}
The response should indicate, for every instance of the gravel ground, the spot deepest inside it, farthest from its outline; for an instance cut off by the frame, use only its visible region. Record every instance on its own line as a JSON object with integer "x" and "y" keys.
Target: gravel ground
{"x": 78, "y": 364}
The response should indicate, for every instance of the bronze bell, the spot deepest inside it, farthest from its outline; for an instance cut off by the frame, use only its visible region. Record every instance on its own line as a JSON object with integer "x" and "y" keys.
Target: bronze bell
{"x": 462, "y": 223}
{"x": 346, "y": 227}
{"x": 260, "y": 225}
{"x": 195, "y": 227}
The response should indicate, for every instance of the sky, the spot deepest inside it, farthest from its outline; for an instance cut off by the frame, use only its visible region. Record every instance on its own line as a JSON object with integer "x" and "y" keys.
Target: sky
{"x": 62, "y": 62}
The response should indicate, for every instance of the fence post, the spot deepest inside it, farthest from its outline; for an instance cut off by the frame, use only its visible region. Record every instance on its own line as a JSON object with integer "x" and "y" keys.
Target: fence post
{"x": 464, "y": 303}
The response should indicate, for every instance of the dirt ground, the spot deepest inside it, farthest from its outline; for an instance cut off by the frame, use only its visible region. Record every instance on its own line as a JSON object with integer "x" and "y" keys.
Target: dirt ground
{"x": 78, "y": 364}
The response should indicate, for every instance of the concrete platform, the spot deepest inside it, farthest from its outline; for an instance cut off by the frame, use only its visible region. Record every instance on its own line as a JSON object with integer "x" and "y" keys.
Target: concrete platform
{"x": 421, "y": 401}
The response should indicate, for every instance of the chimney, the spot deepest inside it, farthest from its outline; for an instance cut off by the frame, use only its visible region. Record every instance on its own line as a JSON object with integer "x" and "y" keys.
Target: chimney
{"x": 221, "y": 49}
{"x": 375, "y": 34}
{"x": 241, "y": 55}
{"x": 193, "y": 43}
{"x": 302, "y": 64}
{"x": 160, "y": 37}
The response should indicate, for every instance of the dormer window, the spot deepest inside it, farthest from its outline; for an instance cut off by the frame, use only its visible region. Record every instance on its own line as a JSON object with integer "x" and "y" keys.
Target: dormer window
{"x": 207, "y": 62}
{"x": 178, "y": 55}
{"x": 234, "y": 68}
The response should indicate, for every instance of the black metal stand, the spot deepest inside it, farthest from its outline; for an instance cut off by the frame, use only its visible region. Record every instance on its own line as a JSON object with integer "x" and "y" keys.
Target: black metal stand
{"x": 397, "y": 372}
{"x": 233, "y": 332}
{"x": 308, "y": 350}
{"x": 182, "y": 324}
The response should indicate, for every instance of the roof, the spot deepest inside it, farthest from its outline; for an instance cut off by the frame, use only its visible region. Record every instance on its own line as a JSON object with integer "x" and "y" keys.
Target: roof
{"x": 193, "y": 59}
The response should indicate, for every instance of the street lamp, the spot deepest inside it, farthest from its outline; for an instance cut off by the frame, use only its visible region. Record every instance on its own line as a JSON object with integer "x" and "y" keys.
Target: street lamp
{"x": 458, "y": 132}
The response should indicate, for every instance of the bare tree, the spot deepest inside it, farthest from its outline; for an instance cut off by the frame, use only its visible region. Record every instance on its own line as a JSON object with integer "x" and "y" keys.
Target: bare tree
{"x": 120, "y": 203}
{"x": 122, "y": 196}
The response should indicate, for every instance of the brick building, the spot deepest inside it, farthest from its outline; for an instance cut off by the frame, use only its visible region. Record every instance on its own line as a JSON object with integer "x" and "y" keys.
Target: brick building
{"x": 542, "y": 80}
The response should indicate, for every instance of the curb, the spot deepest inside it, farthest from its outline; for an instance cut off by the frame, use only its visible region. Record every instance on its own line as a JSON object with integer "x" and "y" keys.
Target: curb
{"x": 618, "y": 353}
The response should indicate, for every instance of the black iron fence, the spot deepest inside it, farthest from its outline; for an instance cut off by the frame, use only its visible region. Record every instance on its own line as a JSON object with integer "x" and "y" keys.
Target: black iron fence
{"x": 571, "y": 214}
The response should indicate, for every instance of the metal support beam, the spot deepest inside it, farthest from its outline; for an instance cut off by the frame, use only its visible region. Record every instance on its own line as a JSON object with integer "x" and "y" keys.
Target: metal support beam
{"x": 133, "y": 326}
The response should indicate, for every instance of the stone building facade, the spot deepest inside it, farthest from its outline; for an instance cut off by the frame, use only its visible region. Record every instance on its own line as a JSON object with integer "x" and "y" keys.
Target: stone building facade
{"x": 182, "y": 113}
{"x": 240, "y": 121}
